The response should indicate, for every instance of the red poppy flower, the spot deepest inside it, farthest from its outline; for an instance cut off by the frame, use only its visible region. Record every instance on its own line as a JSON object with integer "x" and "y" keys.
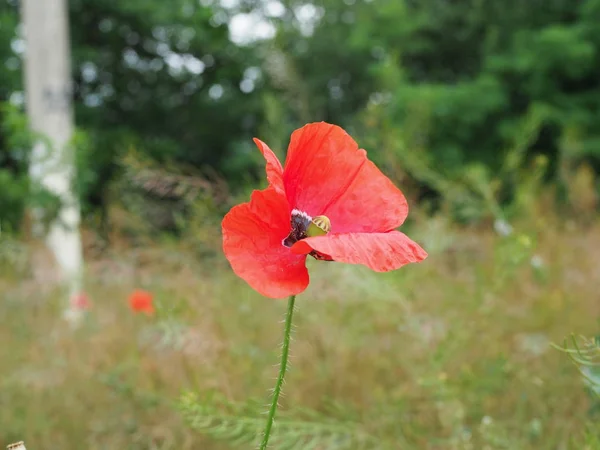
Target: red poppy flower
{"x": 329, "y": 202}
{"x": 141, "y": 301}
{"x": 81, "y": 301}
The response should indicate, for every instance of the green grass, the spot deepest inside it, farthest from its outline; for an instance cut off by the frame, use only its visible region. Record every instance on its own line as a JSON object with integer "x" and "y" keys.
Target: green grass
{"x": 453, "y": 353}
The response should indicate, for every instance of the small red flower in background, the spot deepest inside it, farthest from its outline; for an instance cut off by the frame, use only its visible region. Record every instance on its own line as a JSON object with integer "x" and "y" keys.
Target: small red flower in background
{"x": 327, "y": 183}
{"x": 80, "y": 302}
{"x": 141, "y": 301}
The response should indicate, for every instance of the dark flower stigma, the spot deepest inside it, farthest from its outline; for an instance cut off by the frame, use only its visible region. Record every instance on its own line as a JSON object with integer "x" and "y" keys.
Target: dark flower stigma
{"x": 304, "y": 226}
{"x": 300, "y": 222}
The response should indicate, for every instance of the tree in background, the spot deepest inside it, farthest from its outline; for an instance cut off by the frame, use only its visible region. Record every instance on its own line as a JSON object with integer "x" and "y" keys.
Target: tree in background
{"x": 48, "y": 94}
{"x": 442, "y": 86}
{"x": 437, "y": 91}
{"x": 164, "y": 79}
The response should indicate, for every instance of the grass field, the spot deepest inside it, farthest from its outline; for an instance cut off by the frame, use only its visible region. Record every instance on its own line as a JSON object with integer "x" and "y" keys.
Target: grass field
{"x": 453, "y": 353}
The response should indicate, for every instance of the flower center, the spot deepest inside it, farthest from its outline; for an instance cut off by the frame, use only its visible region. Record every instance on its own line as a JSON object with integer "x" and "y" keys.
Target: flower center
{"x": 304, "y": 226}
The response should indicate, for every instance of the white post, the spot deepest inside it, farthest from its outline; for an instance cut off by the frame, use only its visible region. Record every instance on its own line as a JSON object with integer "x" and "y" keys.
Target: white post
{"x": 48, "y": 100}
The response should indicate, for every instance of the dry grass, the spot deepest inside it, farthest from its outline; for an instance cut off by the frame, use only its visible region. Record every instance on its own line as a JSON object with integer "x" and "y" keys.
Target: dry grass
{"x": 449, "y": 354}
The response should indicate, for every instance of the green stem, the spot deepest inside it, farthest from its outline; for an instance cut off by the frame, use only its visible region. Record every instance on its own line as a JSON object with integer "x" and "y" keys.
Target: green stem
{"x": 282, "y": 368}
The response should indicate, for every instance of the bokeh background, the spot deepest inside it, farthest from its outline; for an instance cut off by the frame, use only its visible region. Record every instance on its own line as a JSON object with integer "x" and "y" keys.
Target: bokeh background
{"x": 485, "y": 112}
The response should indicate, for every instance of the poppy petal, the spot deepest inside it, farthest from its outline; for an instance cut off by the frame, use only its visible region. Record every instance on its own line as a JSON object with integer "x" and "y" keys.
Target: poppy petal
{"x": 381, "y": 252}
{"x": 273, "y": 168}
{"x": 252, "y": 241}
{"x": 327, "y": 174}
{"x": 370, "y": 204}
{"x": 321, "y": 162}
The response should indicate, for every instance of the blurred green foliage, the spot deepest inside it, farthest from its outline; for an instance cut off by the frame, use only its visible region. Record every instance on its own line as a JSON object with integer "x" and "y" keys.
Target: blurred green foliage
{"x": 16, "y": 190}
{"x": 454, "y": 99}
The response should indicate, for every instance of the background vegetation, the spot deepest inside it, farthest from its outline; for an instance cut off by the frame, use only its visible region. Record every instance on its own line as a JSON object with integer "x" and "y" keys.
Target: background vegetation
{"x": 485, "y": 112}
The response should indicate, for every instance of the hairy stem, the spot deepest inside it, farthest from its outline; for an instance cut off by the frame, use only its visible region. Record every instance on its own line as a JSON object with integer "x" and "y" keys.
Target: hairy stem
{"x": 282, "y": 368}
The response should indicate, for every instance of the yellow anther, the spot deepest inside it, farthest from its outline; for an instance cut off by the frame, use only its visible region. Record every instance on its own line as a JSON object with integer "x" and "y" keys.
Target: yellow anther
{"x": 320, "y": 226}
